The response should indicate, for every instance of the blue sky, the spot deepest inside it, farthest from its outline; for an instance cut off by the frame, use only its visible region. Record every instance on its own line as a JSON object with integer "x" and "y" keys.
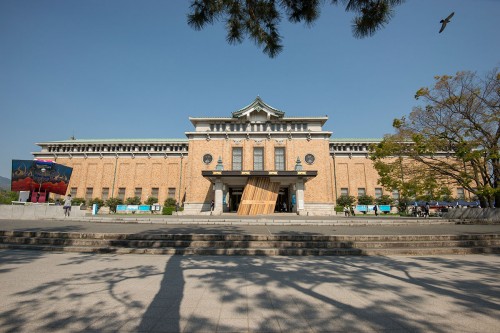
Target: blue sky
{"x": 135, "y": 69}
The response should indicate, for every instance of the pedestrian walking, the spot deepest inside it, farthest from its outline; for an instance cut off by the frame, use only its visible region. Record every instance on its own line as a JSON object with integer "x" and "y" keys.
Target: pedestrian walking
{"x": 212, "y": 206}
{"x": 67, "y": 205}
{"x": 346, "y": 211}
{"x": 375, "y": 209}
{"x": 352, "y": 210}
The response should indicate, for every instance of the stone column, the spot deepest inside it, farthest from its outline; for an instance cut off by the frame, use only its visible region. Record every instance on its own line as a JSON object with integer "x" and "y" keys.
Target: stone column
{"x": 218, "y": 197}
{"x": 299, "y": 195}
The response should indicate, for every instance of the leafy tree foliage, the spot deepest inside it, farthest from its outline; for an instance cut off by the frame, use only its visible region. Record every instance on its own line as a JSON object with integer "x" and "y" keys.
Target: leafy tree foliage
{"x": 99, "y": 202}
{"x": 113, "y": 202}
{"x": 259, "y": 19}
{"x": 365, "y": 200}
{"x": 170, "y": 202}
{"x": 346, "y": 200}
{"x": 384, "y": 200}
{"x": 452, "y": 139}
{"x": 151, "y": 200}
{"x": 77, "y": 201}
{"x": 6, "y": 197}
{"x": 133, "y": 201}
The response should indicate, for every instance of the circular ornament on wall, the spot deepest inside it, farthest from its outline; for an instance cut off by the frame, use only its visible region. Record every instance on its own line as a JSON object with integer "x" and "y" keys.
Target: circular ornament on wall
{"x": 309, "y": 158}
{"x": 207, "y": 158}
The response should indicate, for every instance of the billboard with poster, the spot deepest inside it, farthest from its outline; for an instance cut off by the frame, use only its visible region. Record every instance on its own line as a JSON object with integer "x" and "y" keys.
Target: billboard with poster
{"x": 40, "y": 175}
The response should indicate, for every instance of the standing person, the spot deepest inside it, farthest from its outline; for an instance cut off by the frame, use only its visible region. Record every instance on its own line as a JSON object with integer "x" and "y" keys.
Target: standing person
{"x": 284, "y": 206}
{"x": 352, "y": 210}
{"x": 427, "y": 209}
{"x": 346, "y": 211}
{"x": 67, "y": 205}
{"x": 212, "y": 206}
{"x": 375, "y": 209}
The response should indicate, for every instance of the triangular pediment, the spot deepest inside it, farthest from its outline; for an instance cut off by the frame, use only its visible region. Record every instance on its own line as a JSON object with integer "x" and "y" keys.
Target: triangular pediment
{"x": 258, "y": 110}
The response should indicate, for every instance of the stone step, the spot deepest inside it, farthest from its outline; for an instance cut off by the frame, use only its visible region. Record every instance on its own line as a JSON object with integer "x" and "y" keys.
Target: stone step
{"x": 246, "y": 237}
{"x": 258, "y": 251}
{"x": 246, "y": 244}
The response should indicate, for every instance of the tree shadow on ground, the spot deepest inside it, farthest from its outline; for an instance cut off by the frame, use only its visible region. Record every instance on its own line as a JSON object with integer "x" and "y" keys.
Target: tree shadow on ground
{"x": 110, "y": 293}
{"x": 314, "y": 294}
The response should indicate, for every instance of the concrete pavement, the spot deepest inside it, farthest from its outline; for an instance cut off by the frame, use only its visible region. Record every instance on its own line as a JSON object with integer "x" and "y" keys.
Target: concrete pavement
{"x": 370, "y": 228}
{"x": 68, "y": 292}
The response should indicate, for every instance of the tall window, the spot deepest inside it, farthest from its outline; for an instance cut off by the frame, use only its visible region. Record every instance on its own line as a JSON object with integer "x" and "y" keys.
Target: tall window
{"x": 361, "y": 191}
{"x": 171, "y": 192}
{"x": 344, "y": 191}
{"x": 378, "y": 192}
{"x": 73, "y": 191}
{"x": 88, "y": 193}
{"x": 154, "y": 192}
{"x": 460, "y": 193}
{"x": 279, "y": 158}
{"x": 258, "y": 158}
{"x": 121, "y": 193}
{"x": 237, "y": 158}
{"x": 138, "y": 192}
{"x": 395, "y": 194}
{"x": 105, "y": 193}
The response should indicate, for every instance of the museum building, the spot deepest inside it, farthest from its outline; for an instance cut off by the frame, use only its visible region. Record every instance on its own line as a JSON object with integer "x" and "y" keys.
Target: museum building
{"x": 257, "y": 161}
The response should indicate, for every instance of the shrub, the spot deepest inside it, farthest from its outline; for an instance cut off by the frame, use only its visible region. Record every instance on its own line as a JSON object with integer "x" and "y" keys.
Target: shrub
{"x": 133, "y": 201}
{"x": 365, "y": 200}
{"x": 346, "y": 200}
{"x": 77, "y": 201}
{"x": 339, "y": 209}
{"x": 170, "y": 202}
{"x": 6, "y": 197}
{"x": 151, "y": 201}
{"x": 384, "y": 200}
{"x": 96, "y": 201}
{"x": 168, "y": 210}
{"x": 112, "y": 203}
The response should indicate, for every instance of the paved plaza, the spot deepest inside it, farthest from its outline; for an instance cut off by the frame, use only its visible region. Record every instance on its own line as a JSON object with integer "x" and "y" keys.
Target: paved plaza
{"x": 68, "y": 292}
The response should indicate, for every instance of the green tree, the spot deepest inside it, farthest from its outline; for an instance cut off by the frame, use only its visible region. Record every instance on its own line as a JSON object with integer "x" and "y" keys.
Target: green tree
{"x": 384, "y": 200}
{"x": 97, "y": 201}
{"x": 113, "y": 202}
{"x": 346, "y": 200}
{"x": 365, "y": 200}
{"x": 169, "y": 206}
{"x": 151, "y": 200}
{"x": 6, "y": 197}
{"x": 77, "y": 201}
{"x": 170, "y": 202}
{"x": 259, "y": 19}
{"x": 133, "y": 201}
{"x": 453, "y": 138}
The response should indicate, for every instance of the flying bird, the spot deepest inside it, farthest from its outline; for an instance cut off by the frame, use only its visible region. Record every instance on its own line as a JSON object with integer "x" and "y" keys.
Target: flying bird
{"x": 445, "y": 22}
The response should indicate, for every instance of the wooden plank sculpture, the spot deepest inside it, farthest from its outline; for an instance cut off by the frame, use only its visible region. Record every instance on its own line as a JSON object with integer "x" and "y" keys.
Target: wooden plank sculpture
{"x": 259, "y": 196}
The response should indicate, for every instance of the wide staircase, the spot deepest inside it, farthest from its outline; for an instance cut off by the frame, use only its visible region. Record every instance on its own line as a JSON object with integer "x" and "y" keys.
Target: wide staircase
{"x": 237, "y": 244}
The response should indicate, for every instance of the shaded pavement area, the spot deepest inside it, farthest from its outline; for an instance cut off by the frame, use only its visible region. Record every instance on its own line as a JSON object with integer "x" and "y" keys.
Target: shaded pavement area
{"x": 102, "y": 227}
{"x": 68, "y": 292}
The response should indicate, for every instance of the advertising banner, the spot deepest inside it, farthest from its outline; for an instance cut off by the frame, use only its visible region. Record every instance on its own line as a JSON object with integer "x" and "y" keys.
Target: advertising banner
{"x": 40, "y": 176}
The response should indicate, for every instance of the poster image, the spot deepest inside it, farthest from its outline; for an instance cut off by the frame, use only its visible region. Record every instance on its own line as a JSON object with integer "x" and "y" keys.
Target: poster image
{"x": 40, "y": 175}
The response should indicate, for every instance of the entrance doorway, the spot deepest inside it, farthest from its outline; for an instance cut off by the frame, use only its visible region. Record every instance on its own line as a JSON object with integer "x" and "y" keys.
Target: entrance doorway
{"x": 283, "y": 201}
{"x": 235, "y": 199}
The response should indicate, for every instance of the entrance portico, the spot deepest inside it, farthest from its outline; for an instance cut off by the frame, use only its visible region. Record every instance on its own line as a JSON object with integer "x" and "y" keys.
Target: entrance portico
{"x": 225, "y": 181}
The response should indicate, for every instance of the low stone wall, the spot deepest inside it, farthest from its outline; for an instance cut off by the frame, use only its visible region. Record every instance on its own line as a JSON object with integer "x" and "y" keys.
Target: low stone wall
{"x": 37, "y": 211}
{"x": 480, "y": 214}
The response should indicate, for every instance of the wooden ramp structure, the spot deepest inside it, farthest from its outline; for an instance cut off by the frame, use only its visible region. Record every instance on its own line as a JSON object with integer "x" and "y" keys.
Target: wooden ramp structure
{"x": 259, "y": 196}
